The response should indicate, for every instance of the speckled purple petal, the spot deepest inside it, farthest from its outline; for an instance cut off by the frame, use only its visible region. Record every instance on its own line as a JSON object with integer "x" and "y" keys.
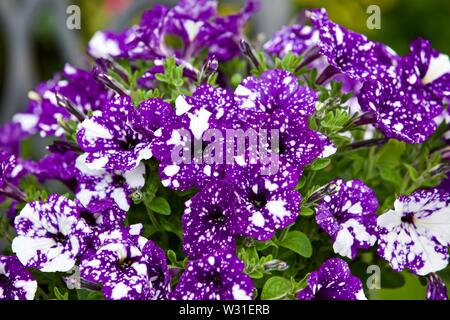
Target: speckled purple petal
{"x": 333, "y": 281}
{"x": 349, "y": 52}
{"x": 415, "y": 235}
{"x": 50, "y": 235}
{"x": 267, "y": 200}
{"x": 436, "y": 289}
{"x": 212, "y": 220}
{"x": 295, "y": 39}
{"x": 215, "y": 277}
{"x": 348, "y": 216}
{"x": 16, "y": 283}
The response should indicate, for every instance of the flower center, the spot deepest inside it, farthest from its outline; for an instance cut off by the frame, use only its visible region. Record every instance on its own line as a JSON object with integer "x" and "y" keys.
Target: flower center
{"x": 125, "y": 263}
{"x": 217, "y": 216}
{"x": 408, "y": 218}
{"x": 258, "y": 199}
{"x": 59, "y": 237}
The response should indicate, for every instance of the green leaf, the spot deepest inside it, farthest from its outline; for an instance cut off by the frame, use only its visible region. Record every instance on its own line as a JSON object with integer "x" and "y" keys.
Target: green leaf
{"x": 306, "y": 211}
{"x": 276, "y": 288}
{"x": 160, "y": 205}
{"x": 412, "y": 172}
{"x": 59, "y": 295}
{"x": 84, "y": 294}
{"x": 391, "y": 280}
{"x": 319, "y": 164}
{"x": 298, "y": 242}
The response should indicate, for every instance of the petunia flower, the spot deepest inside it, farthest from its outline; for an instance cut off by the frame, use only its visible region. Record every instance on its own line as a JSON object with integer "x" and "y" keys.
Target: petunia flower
{"x": 195, "y": 25}
{"x": 275, "y": 93}
{"x": 120, "y": 136}
{"x": 268, "y": 200}
{"x": 50, "y": 235}
{"x": 56, "y": 165}
{"x": 16, "y": 282}
{"x": 415, "y": 235}
{"x": 348, "y": 52}
{"x": 348, "y": 216}
{"x": 275, "y": 101}
{"x": 406, "y": 99}
{"x": 217, "y": 276}
{"x": 128, "y": 266}
{"x": 43, "y": 112}
{"x": 11, "y": 170}
{"x": 436, "y": 289}
{"x": 181, "y": 146}
{"x": 11, "y": 136}
{"x": 106, "y": 195}
{"x": 211, "y": 220}
{"x": 332, "y": 281}
{"x": 295, "y": 39}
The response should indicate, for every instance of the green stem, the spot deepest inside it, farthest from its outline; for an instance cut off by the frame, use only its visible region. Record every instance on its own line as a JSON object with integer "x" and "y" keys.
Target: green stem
{"x": 153, "y": 219}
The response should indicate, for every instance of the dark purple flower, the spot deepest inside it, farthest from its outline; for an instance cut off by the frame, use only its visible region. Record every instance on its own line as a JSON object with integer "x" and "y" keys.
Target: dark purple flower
{"x": 11, "y": 135}
{"x": 57, "y": 165}
{"x": 348, "y": 52}
{"x": 43, "y": 112}
{"x": 11, "y": 170}
{"x": 50, "y": 235}
{"x": 436, "y": 289}
{"x": 211, "y": 220}
{"x": 128, "y": 266}
{"x": 16, "y": 283}
{"x": 274, "y": 94}
{"x": 348, "y": 216}
{"x": 266, "y": 198}
{"x": 333, "y": 281}
{"x": 7, "y": 164}
{"x": 406, "y": 98}
{"x": 183, "y": 31}
{"x": 295, "y": 39}
{"x": 275, "y": 101}
{"x": 120, "y": 136}
{"x": 415, "y": 235}
{"x": 196, "y": 131}
{"x": 217, "y": 276}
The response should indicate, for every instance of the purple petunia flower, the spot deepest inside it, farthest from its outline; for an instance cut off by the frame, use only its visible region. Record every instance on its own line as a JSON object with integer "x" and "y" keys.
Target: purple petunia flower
{"x": 415, "y": 235}
{"x": 120, "y": 136}
{"x": 348, "y": 52}
{"x": 195, "y": 24}
{"x": 348, "y": 216}
{"x": 436, "y": 289}
{"x": 295, "y": 39}
{"x": 16, "y": 283}
{"x": 211, "y": 220}
{"x": 214, "y": 277}
{"x": 50, "y": 235}
{"x": 105, "y": 194}
{"x": 128, "y": 266}
{"x": 274, "y": 95}
{"x": 11, "y": 170}
{"x": 43, "y": 112}
{"x": 333, "y": 281}
{"x": 267, "y": 200}
{"x": 182, "y": 144}
{"x": 57, "y": 165}
{"x": 7, "y": 164}
{"x": 406, "y": 98}
{"x": 11, "y": 135}
{"x": 276, "y": 101}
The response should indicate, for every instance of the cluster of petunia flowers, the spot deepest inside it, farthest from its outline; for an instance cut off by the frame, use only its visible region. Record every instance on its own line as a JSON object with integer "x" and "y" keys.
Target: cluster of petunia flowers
{"x": 400, "y": 95}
